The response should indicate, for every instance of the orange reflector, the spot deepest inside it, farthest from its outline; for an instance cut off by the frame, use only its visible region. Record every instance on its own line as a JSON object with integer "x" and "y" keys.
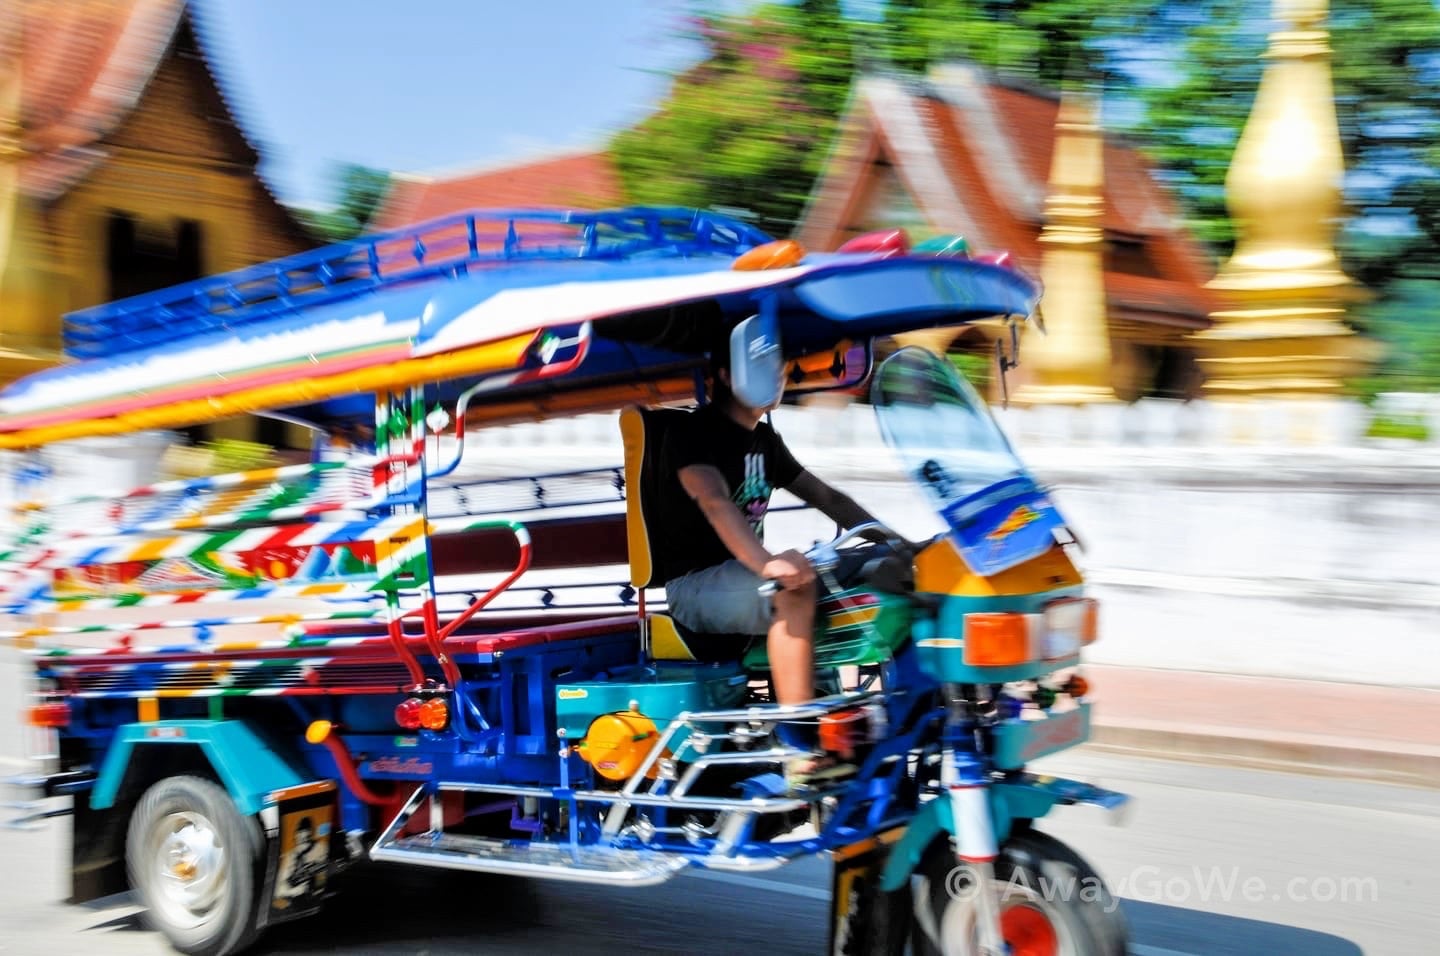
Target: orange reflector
{"x": 1077, "y": 686}
{"x": 318, "y": 731}
{"x": 842, "y": 731}
{"x": 434, "y": 714}
{"x": 50, "y": 715}
{"x": 1090, "y": 630}
{"x": 996, "y": 640}
{"x": 780, "y": 254}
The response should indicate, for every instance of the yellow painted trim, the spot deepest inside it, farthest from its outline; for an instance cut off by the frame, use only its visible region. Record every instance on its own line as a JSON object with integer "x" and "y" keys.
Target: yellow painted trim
{"x": 862, "y": 615}
{"x": 841, "y": 854}
{"x": 940, "y": 569}
{"x": 666, "y": 644}
{"x": 148, "y": 710}
{"x": 637, "y": 535}
{"x": 490, "y": 357}
{"x": 300, "y": 790}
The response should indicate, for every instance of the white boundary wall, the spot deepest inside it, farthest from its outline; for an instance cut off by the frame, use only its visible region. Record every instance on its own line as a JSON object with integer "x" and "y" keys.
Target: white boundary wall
{"x": 1266, "y": 539}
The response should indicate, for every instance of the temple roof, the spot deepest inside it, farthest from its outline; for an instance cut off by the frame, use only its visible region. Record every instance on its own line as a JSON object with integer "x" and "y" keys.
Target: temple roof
{"x": 85, "y": 68}
{"x": 583, "y": 180}
{"x": 973, "y": 152}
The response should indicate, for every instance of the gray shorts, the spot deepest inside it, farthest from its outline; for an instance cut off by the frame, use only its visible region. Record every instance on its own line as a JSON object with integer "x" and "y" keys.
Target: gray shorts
{"x": 723, "y": 599}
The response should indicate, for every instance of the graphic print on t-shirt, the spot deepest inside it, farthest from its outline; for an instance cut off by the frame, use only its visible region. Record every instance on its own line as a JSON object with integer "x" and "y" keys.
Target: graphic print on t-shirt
{"x": 753, "y": 495}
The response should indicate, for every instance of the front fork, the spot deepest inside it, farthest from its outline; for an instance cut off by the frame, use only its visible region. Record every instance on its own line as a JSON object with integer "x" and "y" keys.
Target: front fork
{"x": 965, "y": 780}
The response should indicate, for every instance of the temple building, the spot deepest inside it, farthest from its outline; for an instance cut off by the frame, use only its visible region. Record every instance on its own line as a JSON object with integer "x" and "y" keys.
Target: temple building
{"x": 964, "y": 151}
{"x": 127, "y": 170}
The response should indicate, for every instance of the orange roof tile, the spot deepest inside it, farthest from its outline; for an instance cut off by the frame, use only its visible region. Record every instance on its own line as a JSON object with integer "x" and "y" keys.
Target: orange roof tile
{"x": 574, "y": 181}
{"x": 84, "y": 68}
{"x": 994, "y": 140}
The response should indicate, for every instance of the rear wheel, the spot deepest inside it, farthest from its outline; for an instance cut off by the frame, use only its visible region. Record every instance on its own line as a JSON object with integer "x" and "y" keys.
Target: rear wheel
{"x": 194, "y": 861}
{"x": 1051, "y": 902}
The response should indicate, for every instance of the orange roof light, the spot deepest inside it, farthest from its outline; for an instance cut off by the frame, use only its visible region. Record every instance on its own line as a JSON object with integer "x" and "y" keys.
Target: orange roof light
{"x": 780, "y": 254}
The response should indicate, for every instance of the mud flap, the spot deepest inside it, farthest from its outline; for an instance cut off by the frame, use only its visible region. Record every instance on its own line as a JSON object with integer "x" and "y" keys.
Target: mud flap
{"x": 866, "y": 920}
{"x": 302, "y": 849}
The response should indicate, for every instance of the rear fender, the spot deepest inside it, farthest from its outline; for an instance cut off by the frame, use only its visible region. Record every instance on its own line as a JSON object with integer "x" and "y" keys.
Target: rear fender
{"x": 244, "y": 764}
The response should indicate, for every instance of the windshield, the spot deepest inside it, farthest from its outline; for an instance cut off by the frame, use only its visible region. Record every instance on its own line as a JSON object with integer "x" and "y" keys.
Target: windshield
{"x": 950, "y": 444}
{"x": 941, "y": 428}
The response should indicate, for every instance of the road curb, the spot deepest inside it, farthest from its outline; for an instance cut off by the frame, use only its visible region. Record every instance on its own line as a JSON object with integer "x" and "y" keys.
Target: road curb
{"x": 1387, "y": 763}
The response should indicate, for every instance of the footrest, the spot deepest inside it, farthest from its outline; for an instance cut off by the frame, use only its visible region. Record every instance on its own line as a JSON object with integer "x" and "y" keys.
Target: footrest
{"x": 589, "y": 864}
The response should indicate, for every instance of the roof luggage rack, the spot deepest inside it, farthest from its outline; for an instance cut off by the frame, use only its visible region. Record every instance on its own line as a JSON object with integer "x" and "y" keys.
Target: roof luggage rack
{"x": 444, "y": 247}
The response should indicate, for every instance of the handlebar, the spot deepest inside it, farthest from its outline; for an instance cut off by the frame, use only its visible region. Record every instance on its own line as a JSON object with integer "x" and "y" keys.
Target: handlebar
{"x": 824, "y": 557}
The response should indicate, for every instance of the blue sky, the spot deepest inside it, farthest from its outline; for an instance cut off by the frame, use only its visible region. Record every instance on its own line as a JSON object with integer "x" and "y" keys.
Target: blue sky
{"x": 431, "y": 85}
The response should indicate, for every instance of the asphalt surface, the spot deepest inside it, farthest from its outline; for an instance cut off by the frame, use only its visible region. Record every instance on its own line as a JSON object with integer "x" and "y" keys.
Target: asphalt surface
{"x": 1209, "y": 861}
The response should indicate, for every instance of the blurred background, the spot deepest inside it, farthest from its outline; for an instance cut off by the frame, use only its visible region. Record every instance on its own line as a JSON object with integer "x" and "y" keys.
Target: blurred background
{"x": 1234, "y": 206}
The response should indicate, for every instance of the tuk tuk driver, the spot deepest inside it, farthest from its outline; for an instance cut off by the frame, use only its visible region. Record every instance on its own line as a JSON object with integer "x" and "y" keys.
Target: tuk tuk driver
{"x": 728, "y": 460}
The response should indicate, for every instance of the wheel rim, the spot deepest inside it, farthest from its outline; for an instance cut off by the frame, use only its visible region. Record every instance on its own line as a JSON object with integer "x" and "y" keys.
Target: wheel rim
{"x": 1028, "y": 931}
{"x": 1028, "y": 924}
{"x": 189, "y": 882}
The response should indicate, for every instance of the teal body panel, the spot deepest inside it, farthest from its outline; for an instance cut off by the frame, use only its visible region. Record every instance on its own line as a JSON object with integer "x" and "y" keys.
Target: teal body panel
{"x": 940, "y": 644}
{"x": 660, "y": 693}
{"x": 1028, "y": 798}
{"x": 245, "y": 764}
{"x": 1016, "y": 741}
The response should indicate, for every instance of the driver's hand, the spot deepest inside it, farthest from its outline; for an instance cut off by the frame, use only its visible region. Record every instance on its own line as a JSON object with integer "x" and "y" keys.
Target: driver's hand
{"x": 791, "y": 568}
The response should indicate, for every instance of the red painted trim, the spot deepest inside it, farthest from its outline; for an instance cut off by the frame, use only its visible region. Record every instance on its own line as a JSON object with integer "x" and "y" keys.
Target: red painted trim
{"x": 489, "y": 596}
{"x": 346, "y": 766}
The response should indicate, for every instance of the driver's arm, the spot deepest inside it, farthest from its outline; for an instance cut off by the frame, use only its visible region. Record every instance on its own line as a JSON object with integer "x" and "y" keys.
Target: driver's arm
{"x": 833, "y": 503}
{"x": 706, "y": 485}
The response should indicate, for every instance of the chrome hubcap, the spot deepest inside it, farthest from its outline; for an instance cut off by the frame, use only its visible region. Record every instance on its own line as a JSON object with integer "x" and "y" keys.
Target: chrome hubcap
{"x": 188, "y": 865}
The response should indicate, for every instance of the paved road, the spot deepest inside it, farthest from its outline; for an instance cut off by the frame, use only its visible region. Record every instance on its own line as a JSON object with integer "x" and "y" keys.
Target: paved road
{"x": 1211, "y": 861}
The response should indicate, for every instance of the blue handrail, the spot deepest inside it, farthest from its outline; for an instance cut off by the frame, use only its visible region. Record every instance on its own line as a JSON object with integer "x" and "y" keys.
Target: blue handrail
{"x": 445, "y": 247}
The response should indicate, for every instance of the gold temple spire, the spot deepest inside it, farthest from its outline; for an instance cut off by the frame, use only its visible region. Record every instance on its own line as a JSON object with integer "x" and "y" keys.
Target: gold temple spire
{"x": 1279, "y": 331}
{"x": 1071, "y": 364}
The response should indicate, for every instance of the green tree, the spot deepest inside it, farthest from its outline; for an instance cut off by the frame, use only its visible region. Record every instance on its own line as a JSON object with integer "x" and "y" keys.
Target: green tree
{"x": 1386, "y": 69}
{"x": 748, "y": 128}
{"x": 359, "y": 191}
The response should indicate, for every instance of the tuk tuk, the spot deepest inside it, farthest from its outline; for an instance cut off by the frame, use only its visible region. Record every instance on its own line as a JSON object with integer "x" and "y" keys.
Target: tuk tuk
{"x": 249, "y": 682}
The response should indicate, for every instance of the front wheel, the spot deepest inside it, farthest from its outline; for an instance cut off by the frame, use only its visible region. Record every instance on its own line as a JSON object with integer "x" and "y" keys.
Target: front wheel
{"x": 194, "y": 861}
{"x": 1051, "y": 902}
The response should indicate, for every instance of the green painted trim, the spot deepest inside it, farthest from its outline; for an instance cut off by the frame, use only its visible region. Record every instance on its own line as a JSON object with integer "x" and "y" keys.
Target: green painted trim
{"x": 247, "y": 768}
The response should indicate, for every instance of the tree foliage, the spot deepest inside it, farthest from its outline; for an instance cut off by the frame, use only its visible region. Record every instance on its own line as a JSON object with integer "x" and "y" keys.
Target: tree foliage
{"x": 359, "y": 191}
{"x": 748, "y": 128}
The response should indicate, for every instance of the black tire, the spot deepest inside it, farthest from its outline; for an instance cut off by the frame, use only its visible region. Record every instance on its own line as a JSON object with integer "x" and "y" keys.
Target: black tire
{"x": 195, "y": 864}
{"x": 877, "y": 923}
{"x": 1084, "y": 918}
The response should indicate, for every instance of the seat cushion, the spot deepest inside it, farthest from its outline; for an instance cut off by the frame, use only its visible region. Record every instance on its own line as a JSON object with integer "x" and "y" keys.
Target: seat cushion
{"x": 672, "y": 641}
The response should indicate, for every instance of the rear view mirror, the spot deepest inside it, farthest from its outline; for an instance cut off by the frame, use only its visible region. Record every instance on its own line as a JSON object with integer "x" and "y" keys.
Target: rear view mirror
{"x": 757, "y": 363}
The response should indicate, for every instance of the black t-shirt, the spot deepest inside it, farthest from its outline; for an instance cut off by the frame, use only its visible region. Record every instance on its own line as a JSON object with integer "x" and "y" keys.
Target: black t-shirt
{"x": 754, "y": 463}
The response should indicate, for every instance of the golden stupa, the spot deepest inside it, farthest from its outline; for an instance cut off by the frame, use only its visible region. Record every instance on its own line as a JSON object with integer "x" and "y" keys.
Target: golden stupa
{"x": 1071, "y": 363}
{"x": 1279, "y": 332}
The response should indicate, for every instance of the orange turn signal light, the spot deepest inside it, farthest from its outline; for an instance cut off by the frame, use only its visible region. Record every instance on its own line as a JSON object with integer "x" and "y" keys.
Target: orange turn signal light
{"x": 434, "y": 714}
{"x": 1090, "y": 630}
{"x": 54, "y": 714}
{"x": 997, "y": 639}
{"x": 318, "y": 731}
{"x": 780, "y": 254}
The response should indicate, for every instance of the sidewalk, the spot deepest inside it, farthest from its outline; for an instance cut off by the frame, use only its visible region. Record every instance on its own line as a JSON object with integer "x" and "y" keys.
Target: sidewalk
{"x": 1355, "y": 730}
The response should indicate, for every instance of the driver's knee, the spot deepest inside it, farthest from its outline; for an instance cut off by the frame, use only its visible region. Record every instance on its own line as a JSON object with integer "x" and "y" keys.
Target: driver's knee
{"x": 801, "y": 598}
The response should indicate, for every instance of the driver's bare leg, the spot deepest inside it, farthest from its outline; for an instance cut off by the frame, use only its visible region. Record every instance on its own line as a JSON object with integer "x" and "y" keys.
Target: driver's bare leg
{"x": 790, "y": 643}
